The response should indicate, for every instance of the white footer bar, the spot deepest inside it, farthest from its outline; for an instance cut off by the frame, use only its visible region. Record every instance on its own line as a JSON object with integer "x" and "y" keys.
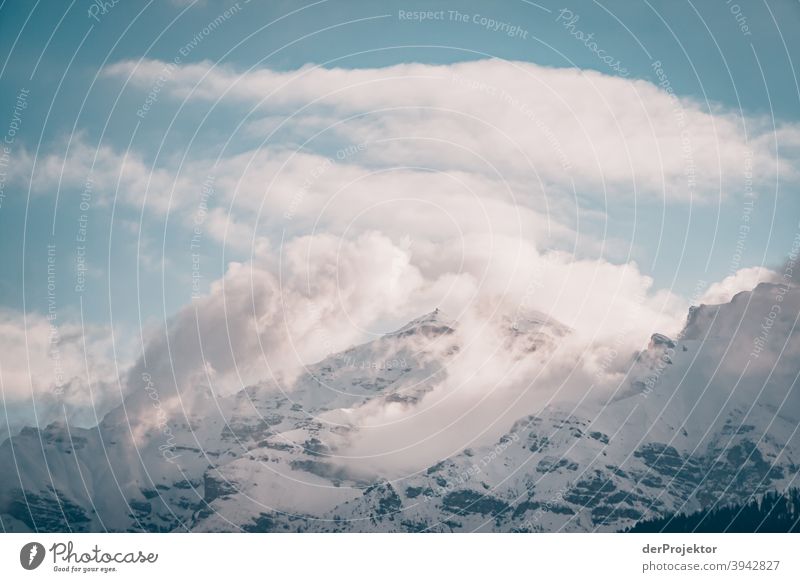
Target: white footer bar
{"x": 377, "y": 557}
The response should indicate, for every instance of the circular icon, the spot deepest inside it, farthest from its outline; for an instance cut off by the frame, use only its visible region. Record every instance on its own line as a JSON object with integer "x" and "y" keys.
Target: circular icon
{"x": 31, "y": 555}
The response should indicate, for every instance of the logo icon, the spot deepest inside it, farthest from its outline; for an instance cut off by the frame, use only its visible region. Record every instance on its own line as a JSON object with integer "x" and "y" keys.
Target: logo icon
{"x": 31, "y": 555}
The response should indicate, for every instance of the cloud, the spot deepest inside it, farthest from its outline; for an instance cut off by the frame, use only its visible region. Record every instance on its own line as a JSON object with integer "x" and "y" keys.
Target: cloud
{"x": 102, "y": 170}
{"x": 55, "y": 371}
{"x": 742, "y": 280}
{"x": 434, "y": 152}
{"x": 407, "y": 188}
{"x": 268, "y": 319}
{"x": 265, "y": 320}
{"x": 565, "y": 127}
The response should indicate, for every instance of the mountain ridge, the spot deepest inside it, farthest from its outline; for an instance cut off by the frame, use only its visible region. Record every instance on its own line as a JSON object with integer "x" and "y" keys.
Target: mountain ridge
{"x": 680, "y": 433}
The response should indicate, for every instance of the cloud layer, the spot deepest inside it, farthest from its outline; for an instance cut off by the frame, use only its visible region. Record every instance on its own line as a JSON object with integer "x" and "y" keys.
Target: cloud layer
{"x": 560, "y": 127}
{"x": 357, "y": 199}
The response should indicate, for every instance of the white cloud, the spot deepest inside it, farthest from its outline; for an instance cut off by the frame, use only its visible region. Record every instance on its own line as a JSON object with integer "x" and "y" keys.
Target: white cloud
{"x": 435, "y": 152}
{"x": 265, "y": 320}
{"x": 75, "y": 165}
{"x": 743, "y": 280}
{"x": 55, "y": 371}
{"x": 320, "y": 294}
{"x": 440, "y": 191}
{"x": 625, "y": 137}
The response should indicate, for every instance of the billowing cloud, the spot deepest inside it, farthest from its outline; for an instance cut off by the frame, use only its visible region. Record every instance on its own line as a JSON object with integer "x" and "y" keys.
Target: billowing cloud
{"x": 742, "y": 280}
{"x": 268, "y": 319}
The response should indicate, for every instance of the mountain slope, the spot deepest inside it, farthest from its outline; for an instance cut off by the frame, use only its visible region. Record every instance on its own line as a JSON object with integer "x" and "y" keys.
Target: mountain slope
{"x": 708, "y": 417}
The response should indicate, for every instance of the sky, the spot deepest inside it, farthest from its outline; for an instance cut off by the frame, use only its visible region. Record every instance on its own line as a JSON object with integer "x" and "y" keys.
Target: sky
{"x": 366, "y": 162}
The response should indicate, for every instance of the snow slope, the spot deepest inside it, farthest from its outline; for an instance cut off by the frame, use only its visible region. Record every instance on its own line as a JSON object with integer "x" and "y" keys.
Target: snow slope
{"x": 708, "y": 417}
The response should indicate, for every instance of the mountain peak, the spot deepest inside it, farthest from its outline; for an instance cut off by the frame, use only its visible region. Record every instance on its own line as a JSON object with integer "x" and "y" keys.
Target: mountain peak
{"x": 432, "y": 323}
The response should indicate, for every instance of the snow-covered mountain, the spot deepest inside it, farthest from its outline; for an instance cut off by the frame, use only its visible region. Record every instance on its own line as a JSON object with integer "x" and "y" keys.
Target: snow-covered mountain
{"x": 710, "y": 416}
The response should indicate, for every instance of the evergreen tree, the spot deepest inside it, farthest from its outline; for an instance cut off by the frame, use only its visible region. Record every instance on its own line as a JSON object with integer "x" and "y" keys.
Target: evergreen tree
{"x": 774, "y": 512}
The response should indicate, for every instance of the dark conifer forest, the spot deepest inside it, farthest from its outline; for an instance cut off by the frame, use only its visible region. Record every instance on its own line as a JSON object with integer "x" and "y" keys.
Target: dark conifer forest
{"x": 774, "y": 512}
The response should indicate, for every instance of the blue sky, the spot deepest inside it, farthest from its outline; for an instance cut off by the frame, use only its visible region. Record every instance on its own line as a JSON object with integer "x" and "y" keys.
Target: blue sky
{"x": 56, "y": 51}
